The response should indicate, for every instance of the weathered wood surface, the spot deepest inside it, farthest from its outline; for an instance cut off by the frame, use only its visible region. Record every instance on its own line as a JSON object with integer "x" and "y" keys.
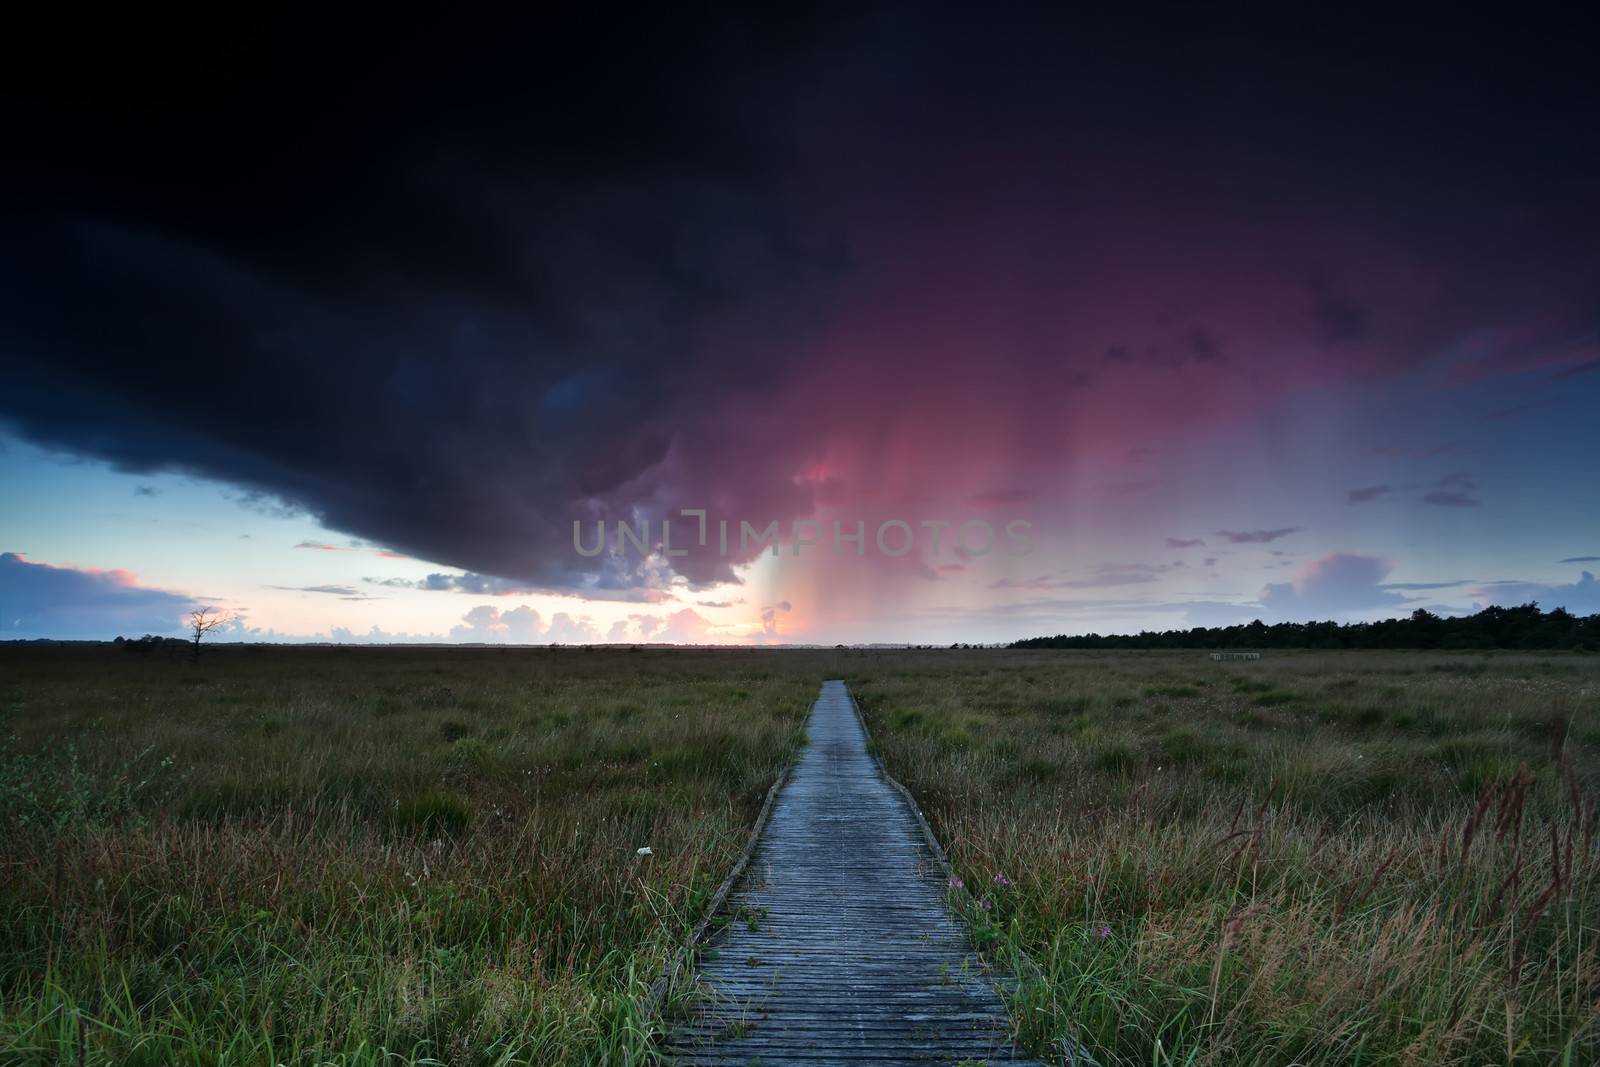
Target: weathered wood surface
{"x": 839, "y": 948}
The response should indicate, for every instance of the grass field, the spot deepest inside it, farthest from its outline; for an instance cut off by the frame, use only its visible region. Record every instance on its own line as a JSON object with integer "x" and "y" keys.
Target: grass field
{"x": 1318, "y": 858}
{"x": 366, "y": 856}
{"x": 350, "y": 856}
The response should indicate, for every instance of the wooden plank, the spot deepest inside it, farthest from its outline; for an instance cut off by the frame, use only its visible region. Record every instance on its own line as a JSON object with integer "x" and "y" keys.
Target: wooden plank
{"x": 839, "y": 947}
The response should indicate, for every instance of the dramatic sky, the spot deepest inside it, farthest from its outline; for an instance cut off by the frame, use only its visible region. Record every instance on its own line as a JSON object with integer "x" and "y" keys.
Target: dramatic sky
{"x": 342, "y": 331}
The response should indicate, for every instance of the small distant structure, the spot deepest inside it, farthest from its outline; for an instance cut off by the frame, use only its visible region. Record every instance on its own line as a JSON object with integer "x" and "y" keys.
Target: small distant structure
{"x": 1235, "y": 655}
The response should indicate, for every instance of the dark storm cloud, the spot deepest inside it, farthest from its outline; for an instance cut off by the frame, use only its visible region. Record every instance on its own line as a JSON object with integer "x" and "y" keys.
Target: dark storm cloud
{"x": 450, "y": 314}
{"x": 1203, "y": 346}
{"x": 476, "y": 584}
{"x": 1340, "y": 319}
{"x": 450, "y": 292}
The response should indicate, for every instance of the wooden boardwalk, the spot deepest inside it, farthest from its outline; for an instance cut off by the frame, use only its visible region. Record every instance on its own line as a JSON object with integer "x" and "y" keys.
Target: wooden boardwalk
{"x": 839, "y": 948}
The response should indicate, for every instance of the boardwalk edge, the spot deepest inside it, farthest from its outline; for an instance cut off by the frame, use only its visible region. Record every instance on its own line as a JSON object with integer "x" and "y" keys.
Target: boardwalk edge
{"x": 685, "y": 952}
{"x": 1076, "y": 1054}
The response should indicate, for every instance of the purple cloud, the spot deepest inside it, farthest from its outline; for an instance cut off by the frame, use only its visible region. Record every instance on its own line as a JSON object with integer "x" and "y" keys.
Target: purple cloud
{"x": 1453, "y": 491}
{"x": 1257, "y": 537}
{"x": 42, "y": 600}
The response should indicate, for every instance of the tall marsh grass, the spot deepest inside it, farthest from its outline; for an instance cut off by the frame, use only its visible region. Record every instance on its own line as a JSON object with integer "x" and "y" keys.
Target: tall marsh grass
{"x": 323, "y": 856}
{"x": 404, "y": 856}
{"x": 1318, "y": 858}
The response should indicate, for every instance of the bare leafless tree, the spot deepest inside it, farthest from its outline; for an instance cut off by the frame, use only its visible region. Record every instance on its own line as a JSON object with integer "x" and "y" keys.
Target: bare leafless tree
{"x": 202, "y": 621}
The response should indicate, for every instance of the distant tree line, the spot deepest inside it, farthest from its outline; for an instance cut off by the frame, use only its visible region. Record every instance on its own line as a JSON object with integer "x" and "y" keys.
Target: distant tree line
{"x": 151, "y": 643}
{"x": 1525, "y": 627}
